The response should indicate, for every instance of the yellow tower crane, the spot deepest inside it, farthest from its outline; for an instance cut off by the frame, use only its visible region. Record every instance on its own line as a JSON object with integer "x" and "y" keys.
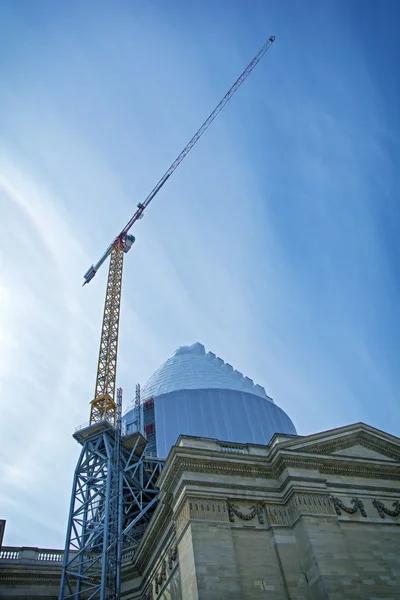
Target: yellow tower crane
{"x": 103, "y": 406}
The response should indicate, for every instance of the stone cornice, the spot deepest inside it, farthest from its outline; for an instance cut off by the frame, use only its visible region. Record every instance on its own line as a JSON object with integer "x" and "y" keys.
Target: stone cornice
{"x": 212, "y": 461}
{"x": 342, "y": 465}
{"x": 227, "y": 487}
{"x": 272, "y": 467}
{"x": 23, "y": 578}
{"x": 216, "y": 463}
{"x": 369, "y": 488}
{"x": 387, "y": 471}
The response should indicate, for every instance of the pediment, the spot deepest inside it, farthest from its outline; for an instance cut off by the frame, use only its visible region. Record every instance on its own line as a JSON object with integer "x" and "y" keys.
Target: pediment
{"x": 355, "y": 441}
{"x": 360, "y": 451}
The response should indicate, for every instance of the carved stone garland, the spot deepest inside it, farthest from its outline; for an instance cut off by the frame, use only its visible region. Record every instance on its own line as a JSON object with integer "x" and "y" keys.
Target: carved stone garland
{"x": 254, "y": 510}
{"x": 339, "y": 506}
{"x": 382, "y": 510}
{"x": 172, "y": 556}
{"x": 161, "y": 576}
{"x": 149, "y": 593}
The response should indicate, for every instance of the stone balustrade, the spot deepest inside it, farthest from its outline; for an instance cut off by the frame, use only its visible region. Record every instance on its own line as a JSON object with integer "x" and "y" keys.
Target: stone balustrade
{"x": 29, "y": 555}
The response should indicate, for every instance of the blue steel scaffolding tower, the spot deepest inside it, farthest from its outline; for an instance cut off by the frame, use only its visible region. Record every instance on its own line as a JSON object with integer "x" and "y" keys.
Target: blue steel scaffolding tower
{"x": 113, "y": 497}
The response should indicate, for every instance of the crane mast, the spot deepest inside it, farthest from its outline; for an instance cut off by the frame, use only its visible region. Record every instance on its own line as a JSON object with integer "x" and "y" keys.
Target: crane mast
{"x": 103, "y": 406}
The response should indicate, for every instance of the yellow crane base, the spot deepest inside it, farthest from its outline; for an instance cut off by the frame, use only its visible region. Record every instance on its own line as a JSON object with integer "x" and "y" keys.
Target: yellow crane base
{"x": 103, "y": 408}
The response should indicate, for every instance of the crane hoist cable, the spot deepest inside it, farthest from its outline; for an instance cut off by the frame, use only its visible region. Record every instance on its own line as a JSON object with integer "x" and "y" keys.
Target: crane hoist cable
{"x": 103, "y": 407}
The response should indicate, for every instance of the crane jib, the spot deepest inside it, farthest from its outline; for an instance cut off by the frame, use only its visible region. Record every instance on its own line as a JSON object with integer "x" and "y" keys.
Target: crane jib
{"x": 112, "y": 522}
{"x": 138, "y": 214}
{"x": 142, "y": 206}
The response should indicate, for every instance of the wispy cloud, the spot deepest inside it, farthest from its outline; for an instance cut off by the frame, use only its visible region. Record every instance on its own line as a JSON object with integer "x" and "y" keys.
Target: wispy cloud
{"x": 43, "y": 343}
{"x": 269, "y": 245}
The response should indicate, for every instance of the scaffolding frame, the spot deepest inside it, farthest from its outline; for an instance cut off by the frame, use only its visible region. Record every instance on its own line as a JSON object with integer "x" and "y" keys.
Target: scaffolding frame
{"x": 137, "y": 409}
{"x": 114, "y": 495}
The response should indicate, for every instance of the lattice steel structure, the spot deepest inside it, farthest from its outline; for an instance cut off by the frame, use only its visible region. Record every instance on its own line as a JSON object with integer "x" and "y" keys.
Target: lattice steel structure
{"x": 103, "y": 406}
{"x": 114, "y": 495}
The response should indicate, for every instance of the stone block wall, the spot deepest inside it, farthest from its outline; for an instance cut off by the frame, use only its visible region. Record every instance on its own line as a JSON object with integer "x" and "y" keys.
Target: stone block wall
{"x": 315, "y": 518}
{"x": 316, "y": 558}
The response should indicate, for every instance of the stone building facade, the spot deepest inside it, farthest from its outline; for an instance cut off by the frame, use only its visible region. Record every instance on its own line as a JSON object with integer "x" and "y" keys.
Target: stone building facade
{"x": 304, "y": 518}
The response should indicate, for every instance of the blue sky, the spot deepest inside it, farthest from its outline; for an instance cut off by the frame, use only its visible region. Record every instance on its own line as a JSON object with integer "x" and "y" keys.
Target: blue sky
{"x": 276, "y": 243}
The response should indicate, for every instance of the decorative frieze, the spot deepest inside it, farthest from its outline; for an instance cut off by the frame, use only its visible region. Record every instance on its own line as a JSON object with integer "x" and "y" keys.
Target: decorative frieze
{"x": 277, "y": 513}
{"x": 299, "y": 504}
{"x": 310, "y": 504}
{"x": 253, "y": 511}
{"x": 182, "y": 518}
{"x": 206, "y": 509}
{"x": 351, "y": 510}
{"x": 211, "y": 510}
{"x": 382, "y": 510}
